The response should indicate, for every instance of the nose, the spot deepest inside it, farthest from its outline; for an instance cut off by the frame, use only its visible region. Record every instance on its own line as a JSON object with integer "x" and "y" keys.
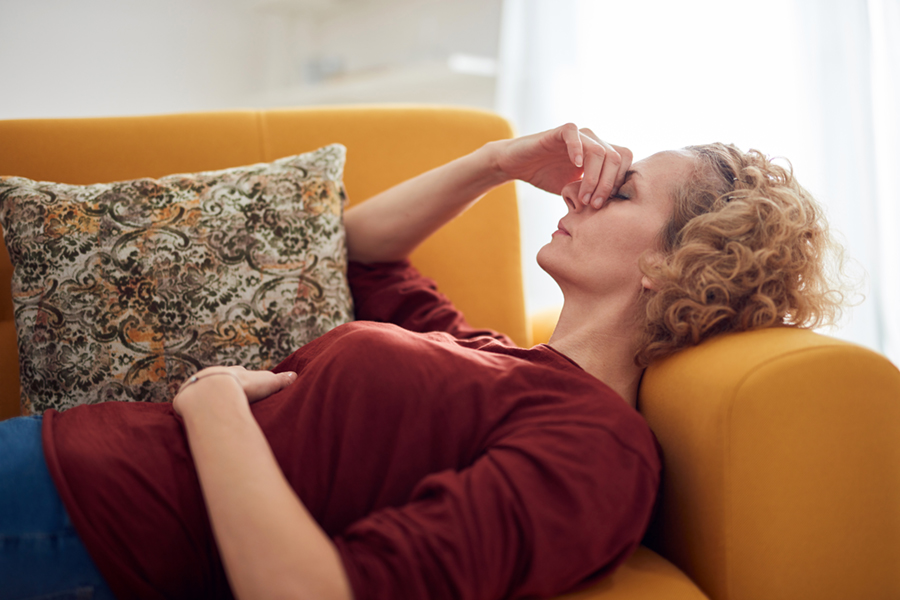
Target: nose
{"x": 570, "y": 196}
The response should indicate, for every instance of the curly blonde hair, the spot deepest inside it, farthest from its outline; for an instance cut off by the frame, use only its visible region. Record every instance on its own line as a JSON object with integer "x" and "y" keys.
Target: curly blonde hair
{"x": 746, "y": 248}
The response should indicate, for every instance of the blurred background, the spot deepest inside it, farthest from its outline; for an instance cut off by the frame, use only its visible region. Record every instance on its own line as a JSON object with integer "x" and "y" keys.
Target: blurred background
{"x": 815, "y": 81}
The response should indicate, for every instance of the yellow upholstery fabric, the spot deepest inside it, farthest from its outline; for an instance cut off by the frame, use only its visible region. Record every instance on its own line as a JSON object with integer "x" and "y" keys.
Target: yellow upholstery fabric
{"x": 644, "y": 576}
{"x": 782, "y": 466}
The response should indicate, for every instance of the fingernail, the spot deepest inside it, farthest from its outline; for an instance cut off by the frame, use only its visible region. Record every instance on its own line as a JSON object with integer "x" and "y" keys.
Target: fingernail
{"x": 586, "y": 199}
{"x": 291, "y": 375}
{"x": 578, "y": 160}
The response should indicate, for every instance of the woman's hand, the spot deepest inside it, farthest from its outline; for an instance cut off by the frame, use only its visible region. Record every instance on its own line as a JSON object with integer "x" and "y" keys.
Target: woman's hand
{"x": 255, "y": 385}
{"x": 551, "y": 159}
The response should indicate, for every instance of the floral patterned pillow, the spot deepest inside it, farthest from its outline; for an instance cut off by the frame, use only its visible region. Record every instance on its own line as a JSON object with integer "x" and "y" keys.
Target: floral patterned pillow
{"x": 122, "y": 290}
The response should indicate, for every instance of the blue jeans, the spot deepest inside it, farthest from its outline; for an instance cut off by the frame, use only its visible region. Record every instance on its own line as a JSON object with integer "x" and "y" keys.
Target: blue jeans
{"x": 41, "y": 556}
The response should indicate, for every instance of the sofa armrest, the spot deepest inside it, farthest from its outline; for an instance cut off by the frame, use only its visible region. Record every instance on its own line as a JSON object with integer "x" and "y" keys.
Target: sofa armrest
{"x": 782, "y": 466}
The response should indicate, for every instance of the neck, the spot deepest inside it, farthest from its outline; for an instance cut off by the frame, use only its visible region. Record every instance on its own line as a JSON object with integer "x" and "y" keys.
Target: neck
{"x": 602, "y": 338}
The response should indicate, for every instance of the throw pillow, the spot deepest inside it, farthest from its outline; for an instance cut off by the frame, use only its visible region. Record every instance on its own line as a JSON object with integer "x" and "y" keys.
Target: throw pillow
{"x": 123, "y": 290}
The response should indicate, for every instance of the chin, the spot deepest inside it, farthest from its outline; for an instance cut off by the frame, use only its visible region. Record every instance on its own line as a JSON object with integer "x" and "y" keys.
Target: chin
{"x": 545, "y": 260}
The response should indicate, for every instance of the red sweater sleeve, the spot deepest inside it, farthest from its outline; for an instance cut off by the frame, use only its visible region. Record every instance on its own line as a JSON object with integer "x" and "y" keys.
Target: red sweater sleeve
{"x": 397, "y": 293}
{"x": 531, "y": 517}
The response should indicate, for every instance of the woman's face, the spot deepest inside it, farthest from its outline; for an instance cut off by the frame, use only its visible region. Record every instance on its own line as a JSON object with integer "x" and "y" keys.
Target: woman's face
{"x": 596, "y": 251}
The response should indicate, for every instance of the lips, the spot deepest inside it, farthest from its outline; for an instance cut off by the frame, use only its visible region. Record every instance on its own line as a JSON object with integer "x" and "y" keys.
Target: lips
{"x": 562, "y": 230}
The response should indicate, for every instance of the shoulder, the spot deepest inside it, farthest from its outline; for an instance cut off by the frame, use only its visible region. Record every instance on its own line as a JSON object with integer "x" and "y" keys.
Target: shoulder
{"x": 553, "y": 401}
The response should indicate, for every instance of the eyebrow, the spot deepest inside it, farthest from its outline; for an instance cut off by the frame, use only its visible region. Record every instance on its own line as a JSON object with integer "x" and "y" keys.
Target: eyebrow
{"x": 628, "y": 175}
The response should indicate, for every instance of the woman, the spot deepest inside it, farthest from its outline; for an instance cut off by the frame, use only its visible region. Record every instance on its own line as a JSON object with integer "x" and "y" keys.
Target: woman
{"x": 430, "y": 459}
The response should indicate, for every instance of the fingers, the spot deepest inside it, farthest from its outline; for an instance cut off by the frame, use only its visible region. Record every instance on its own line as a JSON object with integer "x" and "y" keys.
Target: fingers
{"x": 604, "y": 169}
{"x": 595, "y": 160}
{"x": 627, "y": 159}
{"x": 615, "y": 166}
{"x": 590, "y": 133}
{"x": 601, "y": 165}
{"x": 278, "y": 381}
{"x": 261, "y": 384}
{"x": 256, "y": 384}
{"x": 574, "y": 146}
{"x": 287, "y": 378}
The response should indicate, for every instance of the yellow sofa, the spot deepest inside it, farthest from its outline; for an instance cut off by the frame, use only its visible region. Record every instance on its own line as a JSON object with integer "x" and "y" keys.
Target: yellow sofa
{"x": 782, "y": 447}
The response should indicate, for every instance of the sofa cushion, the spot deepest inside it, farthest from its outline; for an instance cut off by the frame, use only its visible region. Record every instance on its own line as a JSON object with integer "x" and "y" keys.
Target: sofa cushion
{"x": 122, "y": 290}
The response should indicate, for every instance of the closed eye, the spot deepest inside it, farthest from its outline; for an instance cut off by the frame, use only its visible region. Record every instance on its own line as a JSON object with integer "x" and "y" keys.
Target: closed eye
{"x": 619, "y": 197}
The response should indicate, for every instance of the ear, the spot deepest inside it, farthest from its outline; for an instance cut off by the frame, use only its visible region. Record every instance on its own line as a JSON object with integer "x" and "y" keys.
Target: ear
{"x": 649, "y": 260}
{"x": 648, "y": 284}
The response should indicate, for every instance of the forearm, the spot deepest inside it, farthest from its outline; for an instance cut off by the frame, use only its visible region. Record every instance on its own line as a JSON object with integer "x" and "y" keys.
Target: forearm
{"x": 391, "y": 224}
{"x": 269, "y": 543}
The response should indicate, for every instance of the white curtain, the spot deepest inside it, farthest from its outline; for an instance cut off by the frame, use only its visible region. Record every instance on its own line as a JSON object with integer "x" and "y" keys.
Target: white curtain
{"x": 816, "y": 81}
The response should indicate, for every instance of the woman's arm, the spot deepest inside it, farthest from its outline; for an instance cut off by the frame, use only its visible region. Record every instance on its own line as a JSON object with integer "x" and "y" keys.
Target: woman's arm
{"x": 270, "y": 545}
{"x": 391, "y": 224}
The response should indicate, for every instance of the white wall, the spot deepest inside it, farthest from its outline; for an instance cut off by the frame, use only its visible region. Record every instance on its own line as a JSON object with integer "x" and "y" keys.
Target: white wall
{"x": 357, "y": 51}
{"x": 380, "y": 33}
{"x": 105, "y": 57}
{"x": 64, "y": 58}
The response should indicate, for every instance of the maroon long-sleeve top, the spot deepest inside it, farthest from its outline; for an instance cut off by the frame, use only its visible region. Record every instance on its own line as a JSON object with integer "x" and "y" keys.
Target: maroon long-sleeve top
{"x": 443, "y": 461}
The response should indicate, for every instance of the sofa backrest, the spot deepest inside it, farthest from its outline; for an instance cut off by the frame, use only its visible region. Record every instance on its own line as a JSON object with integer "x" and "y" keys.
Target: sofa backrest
{"x": 475, "y": 259}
